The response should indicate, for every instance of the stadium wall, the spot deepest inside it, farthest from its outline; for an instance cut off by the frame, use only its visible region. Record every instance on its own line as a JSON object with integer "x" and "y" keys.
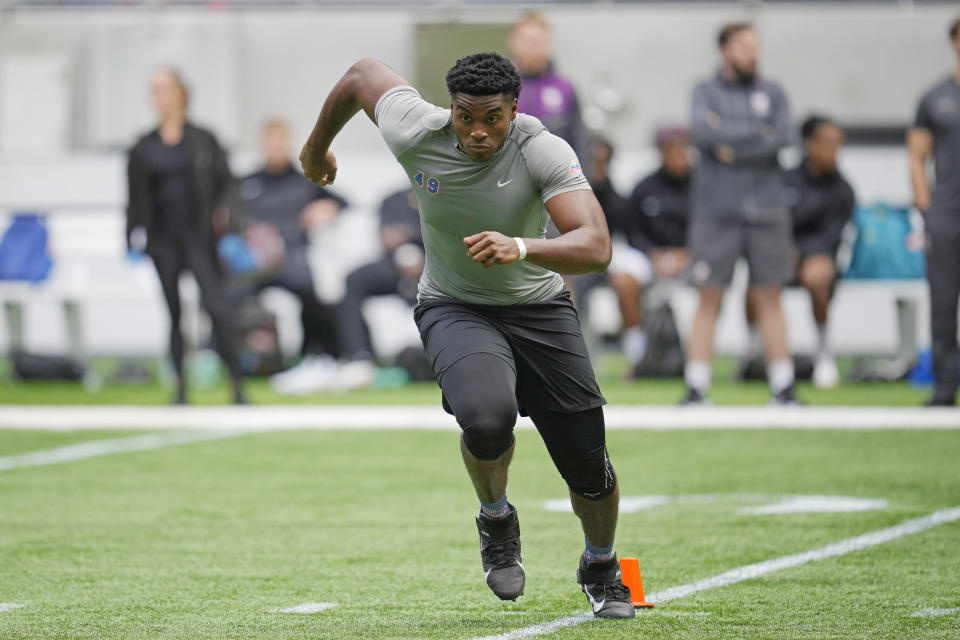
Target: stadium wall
{"x": 865, "y": 64}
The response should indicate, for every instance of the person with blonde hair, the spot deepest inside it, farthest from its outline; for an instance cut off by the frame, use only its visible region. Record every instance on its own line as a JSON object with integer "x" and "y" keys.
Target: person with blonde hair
{"x": 178, "y": 183}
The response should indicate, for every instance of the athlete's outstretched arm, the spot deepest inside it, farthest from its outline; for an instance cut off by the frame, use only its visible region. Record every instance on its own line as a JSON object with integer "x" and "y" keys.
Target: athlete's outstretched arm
{"x": 583, "y": 247}
{"x": 359, "y": 88}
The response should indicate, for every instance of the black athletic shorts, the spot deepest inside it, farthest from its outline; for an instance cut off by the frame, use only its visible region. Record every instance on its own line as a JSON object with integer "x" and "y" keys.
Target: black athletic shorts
{"x": 542, "y": 342}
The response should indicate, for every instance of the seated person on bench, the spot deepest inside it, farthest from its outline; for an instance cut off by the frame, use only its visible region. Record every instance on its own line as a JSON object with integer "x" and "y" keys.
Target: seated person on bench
{"x": 821, "y": 202}
{"x": 655, "y": 223}
{"x": 279, "y": 207}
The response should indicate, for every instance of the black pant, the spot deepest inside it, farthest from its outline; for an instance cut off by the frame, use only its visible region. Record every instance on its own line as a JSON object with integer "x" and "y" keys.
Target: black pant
{"x": 481, "y": 391}
{"x": 317, "y": 319}
{"x": 172, "y": 256}
{"x": 379, "y": 278}
{"x": 943, "y": 276}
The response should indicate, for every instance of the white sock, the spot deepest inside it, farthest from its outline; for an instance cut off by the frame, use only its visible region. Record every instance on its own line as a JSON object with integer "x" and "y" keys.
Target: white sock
{"x": 780, "y": 374}
{"x": 823, "y": 351}
{"x": 697, "y": 375}
{"x": 634, "y": 343}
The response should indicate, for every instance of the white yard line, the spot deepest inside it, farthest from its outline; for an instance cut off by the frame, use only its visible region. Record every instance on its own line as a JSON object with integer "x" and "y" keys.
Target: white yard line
{"x": 755, "y": 570}
{"x": 307, "y": 607}
{"x": 933, "y": 613}
{"x": 9, "y": 606}
{"x": 324, "y": 417}
{"x": 96, "y": 448}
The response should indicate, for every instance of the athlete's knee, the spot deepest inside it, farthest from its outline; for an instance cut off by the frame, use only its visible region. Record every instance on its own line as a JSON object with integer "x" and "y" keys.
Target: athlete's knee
{"x": 590, "y": 476}
{"x": 487, "y": 424}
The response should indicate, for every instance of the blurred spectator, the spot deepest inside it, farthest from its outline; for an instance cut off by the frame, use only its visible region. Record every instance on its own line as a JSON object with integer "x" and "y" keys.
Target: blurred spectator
{"x": 740, "y": 122}
{"x": 279, "y": 207}
{"x": 179, "y": 181}
{"x": 396, "y": 273}
{"x": 821, "y": 202}
{"x": 936, "y": 130}
{"x": 612, "y": 203}
{"x": 545, "y": 94}
{"x": 655, "y": 225}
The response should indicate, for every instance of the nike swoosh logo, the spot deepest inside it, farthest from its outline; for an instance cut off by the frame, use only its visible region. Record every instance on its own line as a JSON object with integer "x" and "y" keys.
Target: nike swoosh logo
{"x": 597, "y": 605}
{"x": 486, "y": 574}
{"x": 503, "y": 184}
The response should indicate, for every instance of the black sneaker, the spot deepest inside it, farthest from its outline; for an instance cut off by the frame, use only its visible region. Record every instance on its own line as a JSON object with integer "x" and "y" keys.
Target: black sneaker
{"x": 602, "y": 583}
{"x": 786, "y": 398}
{"x": 694, "y": 399}
{"x": 500, "y": 553}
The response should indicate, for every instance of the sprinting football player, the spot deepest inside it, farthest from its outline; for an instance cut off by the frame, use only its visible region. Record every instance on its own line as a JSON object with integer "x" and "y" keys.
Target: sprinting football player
{"x": 497, "y": 323}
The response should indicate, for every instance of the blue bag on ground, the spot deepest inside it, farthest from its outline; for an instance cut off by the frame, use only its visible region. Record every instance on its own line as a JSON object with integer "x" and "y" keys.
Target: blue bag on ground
{"x": 887, "y": 245}
{"x": 23, "y": 249}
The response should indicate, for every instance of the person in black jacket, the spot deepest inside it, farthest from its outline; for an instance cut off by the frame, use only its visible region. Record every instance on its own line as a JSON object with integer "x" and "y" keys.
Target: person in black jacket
{"x": 280, "y": 203}
{"x": 178, "y": 180}
{"x": 654, "y": 221}
{"x": 821, "y": 202}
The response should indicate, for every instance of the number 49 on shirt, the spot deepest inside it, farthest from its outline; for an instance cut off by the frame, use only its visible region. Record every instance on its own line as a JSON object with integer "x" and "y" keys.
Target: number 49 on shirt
{"x": 432, "y": 185}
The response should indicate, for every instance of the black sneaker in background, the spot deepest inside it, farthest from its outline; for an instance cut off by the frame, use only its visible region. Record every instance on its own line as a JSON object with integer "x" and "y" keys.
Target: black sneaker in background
{"x": 500, "y": 554}
{"x": 694, "y": 399}
{"x": 786, "y": 398}
{"x": 941, "y": 401}
{"x": 602, "y": 583}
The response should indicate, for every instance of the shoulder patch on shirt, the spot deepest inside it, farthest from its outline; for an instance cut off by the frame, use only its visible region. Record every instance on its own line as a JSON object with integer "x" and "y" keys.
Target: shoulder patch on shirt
{"x": 528, "y": 124}
{"x": 437, "y": 119}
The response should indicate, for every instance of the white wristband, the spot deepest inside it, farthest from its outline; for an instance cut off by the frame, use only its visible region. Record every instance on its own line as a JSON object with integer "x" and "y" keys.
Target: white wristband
{"x": 522, "y": 247}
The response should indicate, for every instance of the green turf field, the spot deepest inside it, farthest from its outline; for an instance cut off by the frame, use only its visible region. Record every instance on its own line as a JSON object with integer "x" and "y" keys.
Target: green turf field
{"x": 205, "y": 540}
{"x": 610, "y": 372}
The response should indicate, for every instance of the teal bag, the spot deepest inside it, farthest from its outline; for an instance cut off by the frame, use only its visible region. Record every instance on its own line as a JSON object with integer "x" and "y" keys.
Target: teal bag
{"x": 887, "y": 246}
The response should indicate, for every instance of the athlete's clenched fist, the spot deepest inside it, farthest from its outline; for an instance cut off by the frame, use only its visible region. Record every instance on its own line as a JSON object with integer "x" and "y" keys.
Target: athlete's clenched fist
{"x": 490, "y": 248}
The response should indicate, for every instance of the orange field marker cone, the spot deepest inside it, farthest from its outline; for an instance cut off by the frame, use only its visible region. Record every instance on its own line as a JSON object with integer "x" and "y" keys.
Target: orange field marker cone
{"x": 630, "y": 567}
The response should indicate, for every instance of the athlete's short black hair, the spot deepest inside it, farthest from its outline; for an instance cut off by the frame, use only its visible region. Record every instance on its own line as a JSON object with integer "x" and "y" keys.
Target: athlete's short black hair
{"x": 810, "y": 126}
{"x": 731, "y": 29}
{"x": 955, "y": 29}
{"x": 484, "y": 74}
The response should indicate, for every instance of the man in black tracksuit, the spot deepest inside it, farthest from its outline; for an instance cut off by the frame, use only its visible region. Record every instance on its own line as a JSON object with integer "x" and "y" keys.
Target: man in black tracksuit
{"x": 936, "y": 130}
{"x": 395, "y": 273}
{"x": 654, "y": 221}
{"x": 281, "y": 198}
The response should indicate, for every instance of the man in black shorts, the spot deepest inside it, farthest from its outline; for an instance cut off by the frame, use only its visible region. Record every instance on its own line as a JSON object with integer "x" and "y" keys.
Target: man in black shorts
{"x": 936, "y": 130}
{"x": 495, "y": 319}
{"x": 740, "y": 121}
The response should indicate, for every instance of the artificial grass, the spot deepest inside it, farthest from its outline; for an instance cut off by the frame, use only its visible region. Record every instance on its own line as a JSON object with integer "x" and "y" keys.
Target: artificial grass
{"x": 205, "y": 540}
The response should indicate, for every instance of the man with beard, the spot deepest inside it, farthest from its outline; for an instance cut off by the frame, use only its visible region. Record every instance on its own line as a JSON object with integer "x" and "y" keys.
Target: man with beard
{"x": 739, "y": 123}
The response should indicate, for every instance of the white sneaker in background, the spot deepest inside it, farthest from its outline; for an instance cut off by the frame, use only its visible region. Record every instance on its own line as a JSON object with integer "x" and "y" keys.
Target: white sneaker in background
{"x": 825, "y": 374}
{"x": 314, "y": 373}
{"x": 356, "y": 374}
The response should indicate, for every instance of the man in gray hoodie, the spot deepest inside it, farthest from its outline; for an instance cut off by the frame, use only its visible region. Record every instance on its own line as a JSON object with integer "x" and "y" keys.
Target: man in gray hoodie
{"x": 739, "y": 123}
